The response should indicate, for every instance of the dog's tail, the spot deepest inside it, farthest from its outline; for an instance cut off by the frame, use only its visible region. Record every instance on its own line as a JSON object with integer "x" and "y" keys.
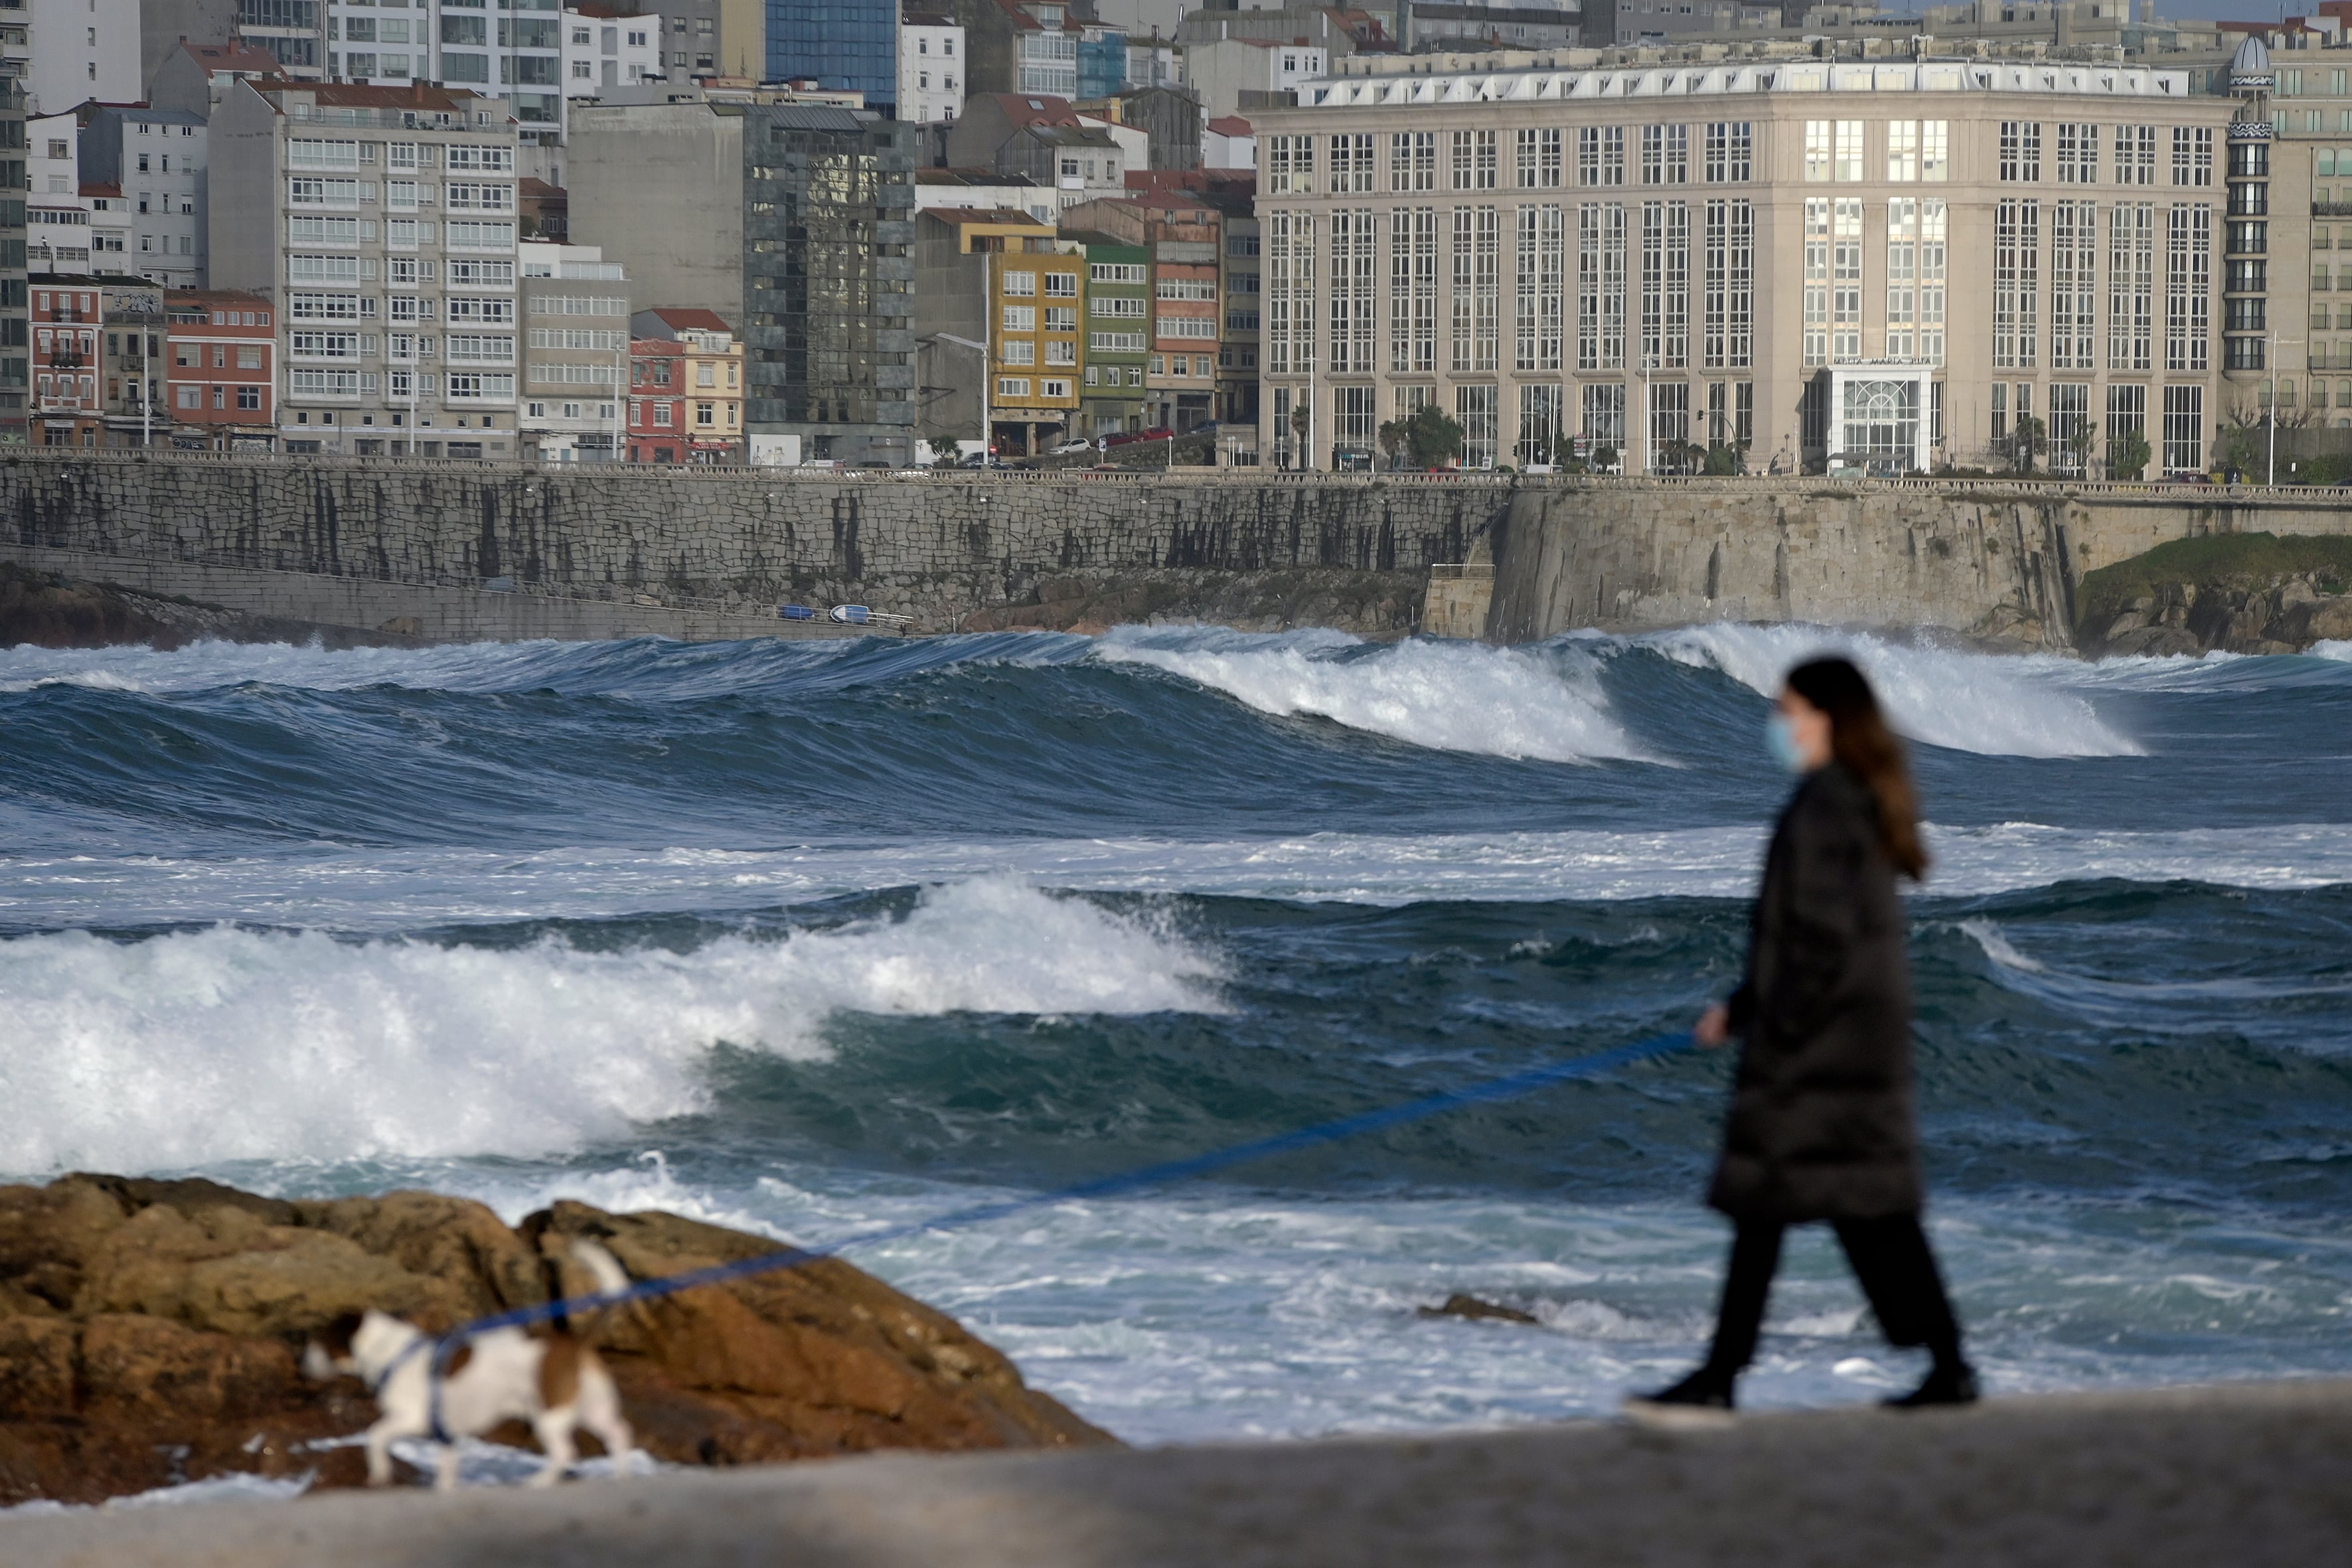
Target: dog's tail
{"x": 612, "y": 1281}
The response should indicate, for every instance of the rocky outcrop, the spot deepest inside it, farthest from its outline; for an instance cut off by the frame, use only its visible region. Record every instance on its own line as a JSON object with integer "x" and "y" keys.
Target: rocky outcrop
{"x": 49, "y": 609}
{"x": 150, "y": 1333}
{"x": 2187, "y": 618}
{"x": 2239, "y": 593}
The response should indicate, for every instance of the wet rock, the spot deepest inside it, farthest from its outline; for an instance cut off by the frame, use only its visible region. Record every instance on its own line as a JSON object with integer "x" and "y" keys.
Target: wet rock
{"x": 150, "y": 1331}
{"x": 1460, "y": 1305}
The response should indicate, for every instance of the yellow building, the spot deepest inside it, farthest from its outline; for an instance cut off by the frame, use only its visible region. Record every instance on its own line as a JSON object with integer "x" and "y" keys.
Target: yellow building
{"x": 686, "y": 388}
{"x": 999, "y": 284}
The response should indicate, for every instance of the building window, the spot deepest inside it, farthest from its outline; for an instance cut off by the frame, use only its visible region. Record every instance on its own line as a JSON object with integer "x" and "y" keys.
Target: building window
{"x": 1412, "y": 160}
{"x": 2192, "y": 155}
{"x": 2072, "y": 433}
{"x": 1539, "y": 159}
{"x": 1353, "y": 267}
{"x": 1600, "y": 286}
{"x": 1665, "y": 155}
{"x": 2134, "y": 154}
{"x": 2073, "y": 285}
{"x": 1540, "y": 427}
{"x": 1352, "y": 418}
{"x": 2126, "y": 416}
{"x": 1475, "y": 155}
{"x": 1665, "y": 285}
{"x": 1352, "y": 165}
{"x": 1542, "y": 256}
{"x": 2188, "y": 292}
{"x": 1604, "y": 414}
{"x": 2078, "y": 154}
{"x": 2017, "y": 263}
{"x": 1475, "y": 408}
{"x": 1669, "y": 416}
{"x": 1818, "y": 139}
{"x": 1817, "y": 281}
{"x": 2020, "y": 152}
{"x": 1601, "y": 155}
{"x": 1290, "y": 293}
{"x": 1730, "y": 284}
{"x": 1413, "y": 291}
{"x": 1730, "y": 152}
{"x": 2184, "y": 430}
{"x": 1903, "y": 150}
{"x": 2131, "y": 285}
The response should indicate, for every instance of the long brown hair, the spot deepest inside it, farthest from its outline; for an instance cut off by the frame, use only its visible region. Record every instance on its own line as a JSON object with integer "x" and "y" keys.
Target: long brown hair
{"x": 1864, "y": 746}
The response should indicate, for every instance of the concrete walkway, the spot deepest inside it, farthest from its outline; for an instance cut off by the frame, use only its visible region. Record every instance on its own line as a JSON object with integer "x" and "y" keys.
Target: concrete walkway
{"x": 2237, "y": 1476}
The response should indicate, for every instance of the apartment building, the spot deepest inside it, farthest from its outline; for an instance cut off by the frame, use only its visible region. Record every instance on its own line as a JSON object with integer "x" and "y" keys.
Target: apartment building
{"x": 15, "y": 331}
{"x": 793, "y": 220}
{"x": 1042, "y": 138}
{"x": 686, "y": 388}
{"x": 1118, "y": 333}
{"x": 930, "y": 68}
{"x": 57, "y": 216}
{"x": 220, "y": 389}
{"x": 132, "y": 363}
{"x": 604, "y": 46}
{"x": 514, "y": 51}
{"x": 198, "y": 78}
{"x": 69, "y": 315}
{"x": 575, "y": 318}
{"x": 1903, "y": 262}
{"x": 90, "y": 51}
{"x": 2286, "y": 353}
{"x": 149, "y": 169}
{"x": 379, "y": 221}
{"x": 1184, "y": 236}
{"x": 1241, "y": 76}
{"x": 999, "y": 290}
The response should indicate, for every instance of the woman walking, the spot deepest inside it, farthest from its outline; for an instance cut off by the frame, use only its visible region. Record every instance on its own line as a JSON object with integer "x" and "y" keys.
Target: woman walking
{"x": 1822, "y": 1124}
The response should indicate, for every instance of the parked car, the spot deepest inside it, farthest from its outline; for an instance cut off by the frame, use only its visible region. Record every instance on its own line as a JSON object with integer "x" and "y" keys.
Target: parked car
{"x": 1071, "y": 449}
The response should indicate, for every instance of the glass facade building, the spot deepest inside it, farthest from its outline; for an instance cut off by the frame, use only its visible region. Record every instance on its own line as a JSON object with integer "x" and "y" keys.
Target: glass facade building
{"x": 840, "y": 45}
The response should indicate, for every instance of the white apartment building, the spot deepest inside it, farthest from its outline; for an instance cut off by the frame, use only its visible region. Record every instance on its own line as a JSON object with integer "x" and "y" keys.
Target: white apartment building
{"x": 382, "y": 221}
{"x": 931, "y": 81}
{"x": 144, "y": 177}
{"x": 56, "y": 215}
{"x": 1909, "y": 262}
{"x": 575, "y": 325}
{"x": 82, "y": 49}
{"x": 512, "y": 50}
{"x": 1240, "y": 76}
{"x": 602, "y": 51}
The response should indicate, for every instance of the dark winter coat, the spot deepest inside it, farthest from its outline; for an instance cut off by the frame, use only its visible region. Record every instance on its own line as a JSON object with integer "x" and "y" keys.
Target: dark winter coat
{"x": 1823, "y": 1123}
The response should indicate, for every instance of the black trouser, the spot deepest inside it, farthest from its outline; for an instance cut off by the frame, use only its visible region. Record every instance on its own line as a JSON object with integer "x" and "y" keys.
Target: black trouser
{"x": 1889, "y": 1256}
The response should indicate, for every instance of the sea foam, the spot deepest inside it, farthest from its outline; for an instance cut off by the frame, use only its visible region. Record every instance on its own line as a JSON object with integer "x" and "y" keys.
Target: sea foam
{"x": 227, "y": 1044}
{"x": 1455, "y": 696}
{"x": 1995, "y": 704}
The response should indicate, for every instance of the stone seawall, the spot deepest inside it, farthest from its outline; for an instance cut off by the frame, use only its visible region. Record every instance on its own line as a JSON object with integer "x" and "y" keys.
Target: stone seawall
{"x": 1987, "y": 559}
{"x": 735, "y": 544}
{"x": 456, "y": 550}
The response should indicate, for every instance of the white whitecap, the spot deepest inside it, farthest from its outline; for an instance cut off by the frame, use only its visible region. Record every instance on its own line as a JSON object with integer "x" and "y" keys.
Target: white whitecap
{"x": 1448, "y": 696}
{"x": 1996, "y": 704}
{"x": 227, "y": 1044}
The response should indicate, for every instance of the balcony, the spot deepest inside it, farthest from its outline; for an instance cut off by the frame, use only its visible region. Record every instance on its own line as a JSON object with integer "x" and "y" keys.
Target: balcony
{"x": 2331, "y": 209}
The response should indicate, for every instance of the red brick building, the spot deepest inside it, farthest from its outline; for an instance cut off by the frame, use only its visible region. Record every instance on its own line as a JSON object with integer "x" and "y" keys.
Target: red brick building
{"x": 220, "y": 392}
{"x": 686, "y": 388}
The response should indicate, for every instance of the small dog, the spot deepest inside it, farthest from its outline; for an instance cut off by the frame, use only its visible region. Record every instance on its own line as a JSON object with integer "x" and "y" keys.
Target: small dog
{"x": 555, "y": 1382}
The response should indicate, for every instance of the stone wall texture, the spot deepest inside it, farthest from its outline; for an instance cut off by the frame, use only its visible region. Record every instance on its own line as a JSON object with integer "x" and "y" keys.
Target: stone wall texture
{"x": 590, "y": 552}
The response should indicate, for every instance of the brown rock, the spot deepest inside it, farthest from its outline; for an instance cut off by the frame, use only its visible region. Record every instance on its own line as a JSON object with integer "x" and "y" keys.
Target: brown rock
{"x": 150, "y": 1332}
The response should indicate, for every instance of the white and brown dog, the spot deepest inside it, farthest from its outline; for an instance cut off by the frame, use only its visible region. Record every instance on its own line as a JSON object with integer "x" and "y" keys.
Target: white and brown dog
{"x": 555, "y": 1382}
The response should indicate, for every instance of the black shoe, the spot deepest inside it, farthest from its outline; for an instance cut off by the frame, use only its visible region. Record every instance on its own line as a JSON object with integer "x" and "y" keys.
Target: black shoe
{"x": 1702, "y": 1399}
{"x": 1952, "y": 1384}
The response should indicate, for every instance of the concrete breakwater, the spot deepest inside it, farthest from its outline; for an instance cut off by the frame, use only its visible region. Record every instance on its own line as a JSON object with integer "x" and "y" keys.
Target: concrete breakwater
{"x": 457, "y": 551}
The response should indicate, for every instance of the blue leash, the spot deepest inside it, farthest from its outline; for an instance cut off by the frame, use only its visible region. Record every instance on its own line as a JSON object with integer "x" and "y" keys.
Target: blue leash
{"x": 1511, "y": 1087}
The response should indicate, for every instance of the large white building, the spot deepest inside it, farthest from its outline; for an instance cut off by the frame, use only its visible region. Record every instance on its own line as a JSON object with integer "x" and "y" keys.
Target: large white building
{"x": 1912, "y": 262}
{"x": 382, "y": 221}
{"x": 513, "y": 50}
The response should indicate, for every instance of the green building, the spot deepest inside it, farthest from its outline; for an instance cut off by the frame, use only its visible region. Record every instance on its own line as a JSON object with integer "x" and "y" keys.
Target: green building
{"x": 1118, "y": 335}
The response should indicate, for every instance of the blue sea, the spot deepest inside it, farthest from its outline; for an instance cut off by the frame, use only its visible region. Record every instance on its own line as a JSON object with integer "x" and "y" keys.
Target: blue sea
{"x": 814, "y": 937}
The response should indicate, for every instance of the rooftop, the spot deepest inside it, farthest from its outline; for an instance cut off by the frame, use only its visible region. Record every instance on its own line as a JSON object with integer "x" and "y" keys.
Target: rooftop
{"x": 688, "y": 319}
{"x": 234, "y": 57}
{"x": 1358, "y": 86}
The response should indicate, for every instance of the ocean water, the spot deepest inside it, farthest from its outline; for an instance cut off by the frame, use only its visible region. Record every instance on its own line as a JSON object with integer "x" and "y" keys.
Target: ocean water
{"x": 810, "y": 938}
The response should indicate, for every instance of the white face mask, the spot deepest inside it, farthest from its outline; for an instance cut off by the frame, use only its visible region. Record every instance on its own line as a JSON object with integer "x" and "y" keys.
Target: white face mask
{"x": 1780, "y": 739}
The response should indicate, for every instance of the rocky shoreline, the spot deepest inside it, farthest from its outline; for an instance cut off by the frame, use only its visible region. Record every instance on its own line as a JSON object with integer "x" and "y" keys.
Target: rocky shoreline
{"x": 150, "y": 1334}
{"x": 2250, "y": 594}
{"x": 49, "y": 609}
